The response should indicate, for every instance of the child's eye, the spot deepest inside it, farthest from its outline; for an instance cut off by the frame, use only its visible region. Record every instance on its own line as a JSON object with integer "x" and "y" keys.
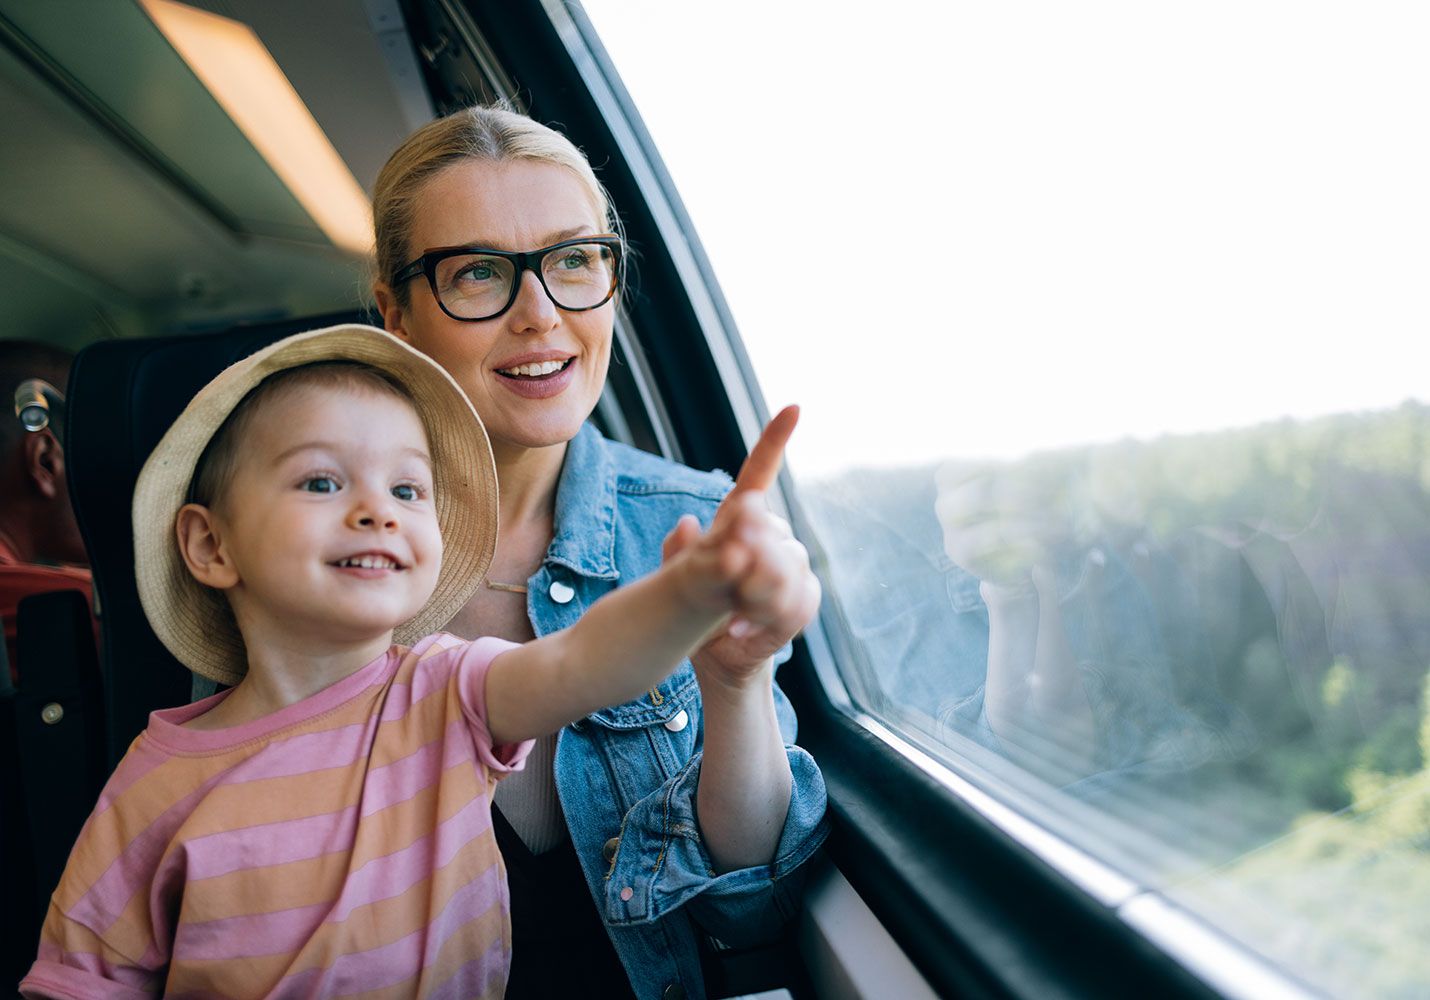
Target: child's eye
{"x": 407, "y": 491}
{"x": 320, "y": 484}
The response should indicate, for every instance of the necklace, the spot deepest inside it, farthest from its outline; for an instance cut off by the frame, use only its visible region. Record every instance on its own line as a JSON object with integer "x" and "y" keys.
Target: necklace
{"x": 509, "y": 588}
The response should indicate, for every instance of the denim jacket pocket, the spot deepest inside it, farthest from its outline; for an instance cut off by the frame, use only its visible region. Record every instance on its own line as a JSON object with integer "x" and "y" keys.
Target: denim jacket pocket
{"x": 653, "y": 736}
{"x": 662, "y": 705}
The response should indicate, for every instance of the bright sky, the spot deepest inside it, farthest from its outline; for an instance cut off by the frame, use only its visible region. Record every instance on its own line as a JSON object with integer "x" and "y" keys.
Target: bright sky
{"x": 987, "y": 228}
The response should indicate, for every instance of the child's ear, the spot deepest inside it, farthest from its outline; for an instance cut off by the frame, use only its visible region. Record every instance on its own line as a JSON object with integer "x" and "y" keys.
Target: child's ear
{"x": 201, "y": 546}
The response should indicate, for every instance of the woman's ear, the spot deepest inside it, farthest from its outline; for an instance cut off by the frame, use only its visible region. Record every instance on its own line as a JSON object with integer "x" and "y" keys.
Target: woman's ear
{"x": 394, "y": 317}
{"x": 202, "y": 548}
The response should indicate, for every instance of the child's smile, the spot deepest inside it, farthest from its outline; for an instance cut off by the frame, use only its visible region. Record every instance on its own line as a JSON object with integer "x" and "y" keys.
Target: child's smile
{"x": 369, "y": 565}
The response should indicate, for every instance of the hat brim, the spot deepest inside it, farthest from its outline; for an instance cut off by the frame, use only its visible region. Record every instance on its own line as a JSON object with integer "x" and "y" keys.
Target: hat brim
{"x": 193, "y": 621}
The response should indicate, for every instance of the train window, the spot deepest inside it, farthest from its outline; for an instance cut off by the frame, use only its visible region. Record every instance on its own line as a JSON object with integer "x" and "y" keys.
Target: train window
{"x": 1108, "y": 324}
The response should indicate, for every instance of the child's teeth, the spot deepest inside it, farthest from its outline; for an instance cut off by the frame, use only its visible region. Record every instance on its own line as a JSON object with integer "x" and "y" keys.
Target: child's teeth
{"x": 369, "y": 562}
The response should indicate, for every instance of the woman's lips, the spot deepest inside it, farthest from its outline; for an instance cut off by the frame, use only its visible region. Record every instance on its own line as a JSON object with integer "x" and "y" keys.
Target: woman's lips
{"x": 539, "y": 386}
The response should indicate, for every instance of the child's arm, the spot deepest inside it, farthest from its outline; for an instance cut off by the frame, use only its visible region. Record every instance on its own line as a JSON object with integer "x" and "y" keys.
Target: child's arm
{"x": 632, "y": 638}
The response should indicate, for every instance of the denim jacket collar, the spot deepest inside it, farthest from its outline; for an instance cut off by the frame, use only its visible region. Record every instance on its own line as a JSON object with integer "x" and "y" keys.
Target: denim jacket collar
{"x": 585, "y": 540}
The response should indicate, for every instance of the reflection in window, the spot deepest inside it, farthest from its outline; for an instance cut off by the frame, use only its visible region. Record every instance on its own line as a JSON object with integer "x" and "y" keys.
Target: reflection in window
{"x": 1218, "y": 639}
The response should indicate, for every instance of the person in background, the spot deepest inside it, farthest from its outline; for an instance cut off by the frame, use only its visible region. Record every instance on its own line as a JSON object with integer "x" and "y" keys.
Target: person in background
{"x": 41, "y": 550}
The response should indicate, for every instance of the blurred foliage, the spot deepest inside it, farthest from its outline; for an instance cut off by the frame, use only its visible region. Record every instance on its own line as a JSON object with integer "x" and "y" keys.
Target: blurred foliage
{"x": 1307, "y": 545}
{"x": 1340, "y": 897}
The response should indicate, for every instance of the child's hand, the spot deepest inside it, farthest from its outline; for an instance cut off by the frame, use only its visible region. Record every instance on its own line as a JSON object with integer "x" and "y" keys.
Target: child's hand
{"x": 750, "y": 564}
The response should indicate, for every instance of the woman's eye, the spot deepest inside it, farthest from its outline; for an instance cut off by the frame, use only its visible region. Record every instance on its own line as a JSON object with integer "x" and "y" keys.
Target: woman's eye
{"x": 575, "y": 259}
{"x": 406, "y": 491}
{"x": 320, "y": 484}
{"x": 479, "y": 271}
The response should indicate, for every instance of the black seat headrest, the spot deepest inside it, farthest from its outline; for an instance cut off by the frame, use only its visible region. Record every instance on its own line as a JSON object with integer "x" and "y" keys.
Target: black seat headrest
{"x": 123, "y": 395}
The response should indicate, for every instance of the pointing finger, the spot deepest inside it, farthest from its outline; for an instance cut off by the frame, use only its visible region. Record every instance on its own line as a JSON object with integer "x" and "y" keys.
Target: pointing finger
{"x": 763, "y": 463}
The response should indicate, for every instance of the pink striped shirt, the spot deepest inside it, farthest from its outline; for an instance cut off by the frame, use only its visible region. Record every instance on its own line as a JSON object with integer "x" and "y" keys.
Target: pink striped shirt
{"x": 339, "y": 847}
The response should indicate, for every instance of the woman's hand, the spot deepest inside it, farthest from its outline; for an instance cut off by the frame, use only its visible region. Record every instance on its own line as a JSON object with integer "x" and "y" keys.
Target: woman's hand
{"x": 745, "y": 779}
{"x": 775, "y": 594}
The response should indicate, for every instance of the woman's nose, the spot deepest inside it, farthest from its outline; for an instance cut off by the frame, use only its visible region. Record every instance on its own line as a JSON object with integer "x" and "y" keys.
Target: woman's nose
{"x": 533, "y": 311}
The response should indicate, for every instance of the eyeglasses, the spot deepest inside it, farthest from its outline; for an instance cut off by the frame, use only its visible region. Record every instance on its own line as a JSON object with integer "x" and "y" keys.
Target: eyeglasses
{"x": 474, "y": 283}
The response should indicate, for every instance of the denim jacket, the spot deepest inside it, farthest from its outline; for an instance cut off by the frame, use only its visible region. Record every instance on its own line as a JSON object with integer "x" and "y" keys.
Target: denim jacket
{"x": 627, "y": 775}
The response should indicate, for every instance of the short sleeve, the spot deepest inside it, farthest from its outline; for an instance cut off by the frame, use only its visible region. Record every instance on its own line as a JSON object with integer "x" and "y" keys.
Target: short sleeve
{"x": 76, "y": 964}
{"x": 475, "y": 658}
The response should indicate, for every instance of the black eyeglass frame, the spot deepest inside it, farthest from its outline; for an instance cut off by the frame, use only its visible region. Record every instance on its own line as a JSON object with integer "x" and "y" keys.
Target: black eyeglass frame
{"x": 527, "y": 260}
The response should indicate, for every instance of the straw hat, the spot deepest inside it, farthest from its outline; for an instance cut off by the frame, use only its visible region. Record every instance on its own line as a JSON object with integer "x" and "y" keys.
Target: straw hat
{"x": 195, "y": 621}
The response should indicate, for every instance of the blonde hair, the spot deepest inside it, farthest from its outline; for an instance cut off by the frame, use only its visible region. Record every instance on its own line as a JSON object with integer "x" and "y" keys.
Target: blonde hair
{"x": 494, "y": 134}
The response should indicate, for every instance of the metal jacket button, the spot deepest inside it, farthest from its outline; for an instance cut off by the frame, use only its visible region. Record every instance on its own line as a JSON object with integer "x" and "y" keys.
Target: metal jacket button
{"x": 561, "y": 593}
{"x": 678, "y": 721}
{"x": 52, "y": 713}
{"x": 608, "y": 849}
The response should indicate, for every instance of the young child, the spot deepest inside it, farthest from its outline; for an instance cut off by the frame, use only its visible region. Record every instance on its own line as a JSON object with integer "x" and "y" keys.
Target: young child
{"x": 324, "y": 828}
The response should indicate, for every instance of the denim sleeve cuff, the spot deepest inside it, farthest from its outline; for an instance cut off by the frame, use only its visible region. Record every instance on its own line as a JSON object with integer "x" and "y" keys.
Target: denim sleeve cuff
{"x": 662, "y": 864}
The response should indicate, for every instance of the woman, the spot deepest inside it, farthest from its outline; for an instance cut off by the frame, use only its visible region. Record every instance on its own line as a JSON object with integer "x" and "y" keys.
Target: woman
{"x": 683, "y": 811}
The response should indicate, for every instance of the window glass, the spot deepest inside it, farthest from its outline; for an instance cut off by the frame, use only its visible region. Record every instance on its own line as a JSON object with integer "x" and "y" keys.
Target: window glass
{"x": 1109, "y": 323}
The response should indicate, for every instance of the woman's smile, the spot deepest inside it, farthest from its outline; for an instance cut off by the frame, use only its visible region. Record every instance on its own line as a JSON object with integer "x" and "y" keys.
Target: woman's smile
{"x": 538, "y": 379}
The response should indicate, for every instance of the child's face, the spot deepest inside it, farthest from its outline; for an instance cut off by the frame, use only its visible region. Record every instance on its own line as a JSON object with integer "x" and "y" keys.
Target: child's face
{"x": 329, "y": 518}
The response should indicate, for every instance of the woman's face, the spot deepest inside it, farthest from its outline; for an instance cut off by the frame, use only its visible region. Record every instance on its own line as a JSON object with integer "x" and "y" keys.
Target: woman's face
{"x": 515, "y": 205}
